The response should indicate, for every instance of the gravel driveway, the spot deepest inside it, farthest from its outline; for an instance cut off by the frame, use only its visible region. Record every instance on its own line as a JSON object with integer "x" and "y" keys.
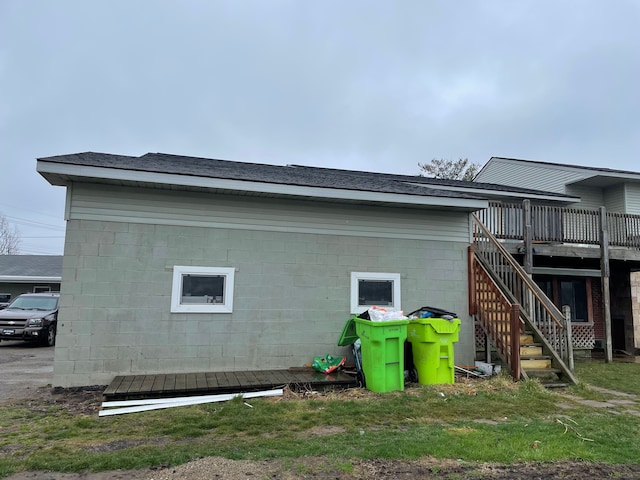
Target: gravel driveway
{"x": 25, "y": 369}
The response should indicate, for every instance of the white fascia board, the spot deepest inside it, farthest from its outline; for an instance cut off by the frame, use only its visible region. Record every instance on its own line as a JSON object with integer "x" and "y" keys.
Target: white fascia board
{"x": 26, "y": 279}
{"x": 89, "y": 172}
{"x": 500, "y": 193}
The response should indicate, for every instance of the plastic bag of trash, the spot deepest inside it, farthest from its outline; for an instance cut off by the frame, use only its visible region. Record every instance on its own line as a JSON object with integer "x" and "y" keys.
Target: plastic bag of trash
{"x": 328, "y": 363}
{"x": 380, "y": 314}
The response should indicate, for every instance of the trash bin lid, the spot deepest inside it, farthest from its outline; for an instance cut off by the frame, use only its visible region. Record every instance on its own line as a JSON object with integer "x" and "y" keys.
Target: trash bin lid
{"x": 439, "y": 325}
{"x": 433, "y": 312}
{"x": 349, "y": 334}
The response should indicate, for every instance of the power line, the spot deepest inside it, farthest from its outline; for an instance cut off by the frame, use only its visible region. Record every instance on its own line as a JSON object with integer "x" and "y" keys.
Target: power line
{"x": 33, "y": 224}
{"x": 41, "y": 247}
{"x": 22, "y": 209}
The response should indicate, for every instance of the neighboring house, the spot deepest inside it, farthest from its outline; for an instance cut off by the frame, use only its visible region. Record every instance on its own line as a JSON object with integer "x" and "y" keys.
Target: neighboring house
{"x": 181, "y": 264}
{"x": 29, "y": 274}
{"x": 569, "y": 258}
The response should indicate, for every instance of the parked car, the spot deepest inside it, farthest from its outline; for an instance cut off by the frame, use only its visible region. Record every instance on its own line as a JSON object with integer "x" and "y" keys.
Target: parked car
{"x": 4, "y": 300}
{"x": 32, "y": 317}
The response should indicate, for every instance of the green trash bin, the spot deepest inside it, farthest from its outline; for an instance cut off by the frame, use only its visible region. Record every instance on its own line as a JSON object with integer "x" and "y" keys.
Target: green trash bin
{"x": 432, "y": 342}
{"x": 382, "y": 348}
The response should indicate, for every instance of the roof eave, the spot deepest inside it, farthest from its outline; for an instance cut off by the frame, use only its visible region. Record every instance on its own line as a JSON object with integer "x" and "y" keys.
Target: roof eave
{"x": 62, "y": 174}
{"x": 491, "y": 193}
{"x": 28, "y": 279}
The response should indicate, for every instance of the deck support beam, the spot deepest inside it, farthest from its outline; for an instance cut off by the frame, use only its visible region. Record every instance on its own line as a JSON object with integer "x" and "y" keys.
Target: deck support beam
{"x": 606, "y": 291}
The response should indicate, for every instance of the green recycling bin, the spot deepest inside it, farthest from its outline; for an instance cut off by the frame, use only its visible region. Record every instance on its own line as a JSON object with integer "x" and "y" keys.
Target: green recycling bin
{"x": 382, "y": 348}
{"x": 432, "y": 342}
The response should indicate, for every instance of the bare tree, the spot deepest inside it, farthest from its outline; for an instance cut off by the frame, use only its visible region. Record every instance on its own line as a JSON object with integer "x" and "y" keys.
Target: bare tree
{"x": 461, "y": 169}
{"x": 9, "y": 238}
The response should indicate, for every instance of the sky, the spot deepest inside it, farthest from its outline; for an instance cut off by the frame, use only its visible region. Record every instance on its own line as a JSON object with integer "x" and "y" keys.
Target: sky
{"x": 375, "y": 85}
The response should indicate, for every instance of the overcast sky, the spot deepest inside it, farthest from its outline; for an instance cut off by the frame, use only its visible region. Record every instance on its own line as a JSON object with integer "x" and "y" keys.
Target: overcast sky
{"x": 368, "y": 85}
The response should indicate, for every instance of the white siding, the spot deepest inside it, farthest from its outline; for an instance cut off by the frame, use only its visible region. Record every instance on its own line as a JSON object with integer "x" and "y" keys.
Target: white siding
{"x": 614, "y": 199}
{"x": 633, "y": 198}
{"x": 550, "y": 178}
{"x": 158, "y": 207}
{"x": 590, "y": 197}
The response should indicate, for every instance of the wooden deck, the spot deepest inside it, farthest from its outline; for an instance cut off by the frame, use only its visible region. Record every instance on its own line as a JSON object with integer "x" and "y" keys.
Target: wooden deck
{"x": 183, "y": 384}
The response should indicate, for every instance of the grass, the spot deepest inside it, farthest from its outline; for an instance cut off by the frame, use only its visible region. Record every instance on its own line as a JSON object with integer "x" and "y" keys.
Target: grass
{"x": 480, "y": 421}
{"x": 618, "y": 376}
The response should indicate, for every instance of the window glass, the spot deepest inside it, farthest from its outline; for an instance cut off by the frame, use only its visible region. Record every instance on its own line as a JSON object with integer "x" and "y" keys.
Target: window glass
{"x": 574, "y": 293}
{"x": 375, "y": 292}
{"x": 202, "y": 289}
{"x": 545, "y": 285}
{"x": 26, "y": 302}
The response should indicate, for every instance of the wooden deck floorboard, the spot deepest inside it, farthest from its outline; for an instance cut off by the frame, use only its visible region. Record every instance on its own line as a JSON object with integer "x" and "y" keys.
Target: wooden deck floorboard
{"x": 210, "y": 383}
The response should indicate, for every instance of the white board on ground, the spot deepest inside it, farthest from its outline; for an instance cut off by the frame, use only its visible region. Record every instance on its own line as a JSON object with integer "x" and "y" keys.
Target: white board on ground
{"x": 159, "y": 403}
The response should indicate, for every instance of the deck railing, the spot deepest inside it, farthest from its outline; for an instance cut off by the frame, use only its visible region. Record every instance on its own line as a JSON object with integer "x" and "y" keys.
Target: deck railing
{"x": 561, "y": 224}
{"x": 538, "y": 312}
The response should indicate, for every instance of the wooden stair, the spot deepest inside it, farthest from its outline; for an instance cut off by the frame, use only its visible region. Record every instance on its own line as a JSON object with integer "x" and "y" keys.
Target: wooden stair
{"x": 520, "y": 322}
{"x": 537, "y": 365}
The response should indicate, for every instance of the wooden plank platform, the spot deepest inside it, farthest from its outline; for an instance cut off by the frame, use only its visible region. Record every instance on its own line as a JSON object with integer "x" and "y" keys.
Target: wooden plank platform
{"x": 208, "y": 383}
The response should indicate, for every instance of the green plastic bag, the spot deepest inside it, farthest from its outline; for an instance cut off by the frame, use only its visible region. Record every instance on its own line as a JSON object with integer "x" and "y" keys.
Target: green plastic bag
{"x": 328, "y": 363}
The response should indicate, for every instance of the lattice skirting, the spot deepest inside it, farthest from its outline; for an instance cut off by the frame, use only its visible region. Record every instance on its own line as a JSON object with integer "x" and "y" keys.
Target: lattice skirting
{"x": 583, "y": 336}
{"x": 480, "y": 336}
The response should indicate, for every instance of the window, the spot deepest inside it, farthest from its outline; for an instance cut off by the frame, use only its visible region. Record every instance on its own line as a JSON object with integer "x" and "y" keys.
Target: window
{"x": 368, "y": 289}
{"x": 572, "y": 291}
{"x": 202, "y": 290}
{"x": 41, "y": 288}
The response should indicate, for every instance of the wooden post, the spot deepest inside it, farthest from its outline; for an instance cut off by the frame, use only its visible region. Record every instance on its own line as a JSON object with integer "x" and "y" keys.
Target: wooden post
{"x": 566, "y": 312}
{"x": 606, "y": 294}
{"x": 487, "y": 347}
{"x": 527, "y": 302}
{"x": 515, "y": 341}
{"x": 473, "y": 308}
{"x": 527, "y": 235}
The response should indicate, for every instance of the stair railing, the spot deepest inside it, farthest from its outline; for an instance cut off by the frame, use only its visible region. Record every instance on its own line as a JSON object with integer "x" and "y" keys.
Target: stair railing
{"x": 537, "y": 311}
{"x": 499, "y": 317}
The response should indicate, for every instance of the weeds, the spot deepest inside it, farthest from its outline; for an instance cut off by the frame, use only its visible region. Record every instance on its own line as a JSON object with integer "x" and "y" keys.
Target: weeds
{"x": 496, "y": 420}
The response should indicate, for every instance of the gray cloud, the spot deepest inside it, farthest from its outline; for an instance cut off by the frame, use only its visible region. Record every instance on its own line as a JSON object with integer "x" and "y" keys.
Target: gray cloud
{"x": 360, "y": 84}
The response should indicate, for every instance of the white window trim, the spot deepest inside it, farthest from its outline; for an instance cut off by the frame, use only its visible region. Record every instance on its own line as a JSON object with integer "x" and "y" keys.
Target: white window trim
{"x": 176, "y": 290}
{"x": 356, "y": 276}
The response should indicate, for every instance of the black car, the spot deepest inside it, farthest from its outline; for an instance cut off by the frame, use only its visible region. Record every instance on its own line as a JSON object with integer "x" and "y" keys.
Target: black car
{"x": 4, "y": 300}
{"x": 32, "y": 317}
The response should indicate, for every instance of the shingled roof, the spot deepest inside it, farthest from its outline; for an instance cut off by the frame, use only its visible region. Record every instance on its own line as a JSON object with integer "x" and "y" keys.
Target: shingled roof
{"x": 32, "y": 266}
{"x": 292, "y": 175}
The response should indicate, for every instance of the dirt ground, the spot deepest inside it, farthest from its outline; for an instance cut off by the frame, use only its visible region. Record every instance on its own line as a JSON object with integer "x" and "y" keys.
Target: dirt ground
{"x": 26, "y": 378}
{"x": 316, "y": 468}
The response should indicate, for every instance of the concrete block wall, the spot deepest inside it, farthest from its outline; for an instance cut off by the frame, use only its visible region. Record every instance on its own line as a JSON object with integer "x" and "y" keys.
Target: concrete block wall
{"x": 291, "y": 299}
